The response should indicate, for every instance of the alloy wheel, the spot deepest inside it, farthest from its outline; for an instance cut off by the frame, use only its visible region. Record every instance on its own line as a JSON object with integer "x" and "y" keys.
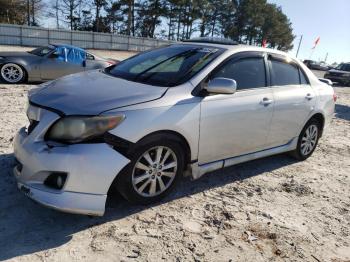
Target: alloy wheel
{"x": 309, "y": 140}
{"x": 12, "y": 73}
{"x": 154, "y": 171}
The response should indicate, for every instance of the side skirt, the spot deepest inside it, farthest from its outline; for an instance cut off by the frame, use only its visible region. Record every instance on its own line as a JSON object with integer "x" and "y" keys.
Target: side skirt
{"x": 199, "y": 170}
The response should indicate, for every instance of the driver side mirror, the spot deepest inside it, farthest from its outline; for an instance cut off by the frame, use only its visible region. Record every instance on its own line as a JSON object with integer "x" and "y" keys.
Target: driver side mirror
{"x": 221, "y": 85}
{"x": 327, "y": 81}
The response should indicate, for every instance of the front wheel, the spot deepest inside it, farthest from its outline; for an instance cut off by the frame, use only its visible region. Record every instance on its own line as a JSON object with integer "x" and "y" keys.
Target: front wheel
{"x": 308, "y": 140}
{"x": 152, "y": 173}
{"x": 12, "y": 73}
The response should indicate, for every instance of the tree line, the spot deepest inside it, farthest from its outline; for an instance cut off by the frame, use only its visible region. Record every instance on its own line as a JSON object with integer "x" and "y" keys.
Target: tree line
{"x": 245, "y": 21}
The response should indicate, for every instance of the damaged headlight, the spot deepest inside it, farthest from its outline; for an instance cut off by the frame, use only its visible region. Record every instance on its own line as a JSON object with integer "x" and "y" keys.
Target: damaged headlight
{"x": 77, "y": 129}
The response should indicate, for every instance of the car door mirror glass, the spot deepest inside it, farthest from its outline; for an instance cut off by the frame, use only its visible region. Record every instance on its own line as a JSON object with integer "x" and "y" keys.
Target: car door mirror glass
{"x": 221, "y": 85}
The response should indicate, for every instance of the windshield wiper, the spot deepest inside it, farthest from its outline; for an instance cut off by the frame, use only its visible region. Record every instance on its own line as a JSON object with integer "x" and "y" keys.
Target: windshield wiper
{"x": 158, "y": 64}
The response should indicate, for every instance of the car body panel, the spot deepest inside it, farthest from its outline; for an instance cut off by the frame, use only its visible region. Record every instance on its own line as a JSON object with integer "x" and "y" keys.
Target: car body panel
{"x": 92, "y": 92}
{"x": 228, "y": 123}
{"x": 294, "y": 100}
{"x": 83, "y": 192}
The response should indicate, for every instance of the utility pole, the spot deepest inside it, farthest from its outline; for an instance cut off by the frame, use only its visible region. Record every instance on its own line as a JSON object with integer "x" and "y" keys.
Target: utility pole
{"x": 301, "y": 39}
{"x": 325, "y": 60}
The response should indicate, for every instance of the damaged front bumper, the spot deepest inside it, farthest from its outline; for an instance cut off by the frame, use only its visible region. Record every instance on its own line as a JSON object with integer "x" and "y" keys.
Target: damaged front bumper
{"x": 90, "y": 170}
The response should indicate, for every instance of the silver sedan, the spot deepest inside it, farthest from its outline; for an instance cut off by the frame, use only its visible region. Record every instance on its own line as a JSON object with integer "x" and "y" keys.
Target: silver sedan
{"x": 139, "y": 125}
{"x": 47, "y": 63}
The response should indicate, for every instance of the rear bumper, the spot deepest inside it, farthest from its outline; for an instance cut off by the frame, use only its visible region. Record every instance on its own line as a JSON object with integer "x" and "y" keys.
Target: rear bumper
{"x": 90, "y": 169}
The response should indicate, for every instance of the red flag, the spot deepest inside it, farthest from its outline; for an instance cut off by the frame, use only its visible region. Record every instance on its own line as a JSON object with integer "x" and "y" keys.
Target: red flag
{"x": 316, "y": 42}
{"x": 264, "y": 42}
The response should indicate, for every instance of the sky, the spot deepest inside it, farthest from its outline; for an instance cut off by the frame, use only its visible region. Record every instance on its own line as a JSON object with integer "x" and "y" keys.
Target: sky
{"x": 327, "y": 19}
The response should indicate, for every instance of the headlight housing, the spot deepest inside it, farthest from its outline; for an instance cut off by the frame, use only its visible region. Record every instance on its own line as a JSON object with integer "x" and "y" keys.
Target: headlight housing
{"x": 76, "y": 129}
{"x": 2, "y": 57}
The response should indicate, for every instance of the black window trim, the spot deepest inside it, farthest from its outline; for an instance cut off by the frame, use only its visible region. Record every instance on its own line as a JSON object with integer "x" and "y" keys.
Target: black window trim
{"x": 238, "y": 56}
{"x": 284, "y": 59}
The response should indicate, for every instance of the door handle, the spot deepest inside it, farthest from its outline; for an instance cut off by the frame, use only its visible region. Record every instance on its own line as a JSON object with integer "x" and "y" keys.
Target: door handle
{"x": 309, "y": 96}
{"x": 266, "y": 101}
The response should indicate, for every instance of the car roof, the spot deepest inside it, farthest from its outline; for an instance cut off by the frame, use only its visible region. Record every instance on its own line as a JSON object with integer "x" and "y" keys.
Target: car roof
{"x": 236, "y": 47}
{"x": 68, "y": 46}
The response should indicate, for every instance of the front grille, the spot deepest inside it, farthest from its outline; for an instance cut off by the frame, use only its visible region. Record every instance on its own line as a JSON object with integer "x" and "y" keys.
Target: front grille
{"x": 32, "y": 125}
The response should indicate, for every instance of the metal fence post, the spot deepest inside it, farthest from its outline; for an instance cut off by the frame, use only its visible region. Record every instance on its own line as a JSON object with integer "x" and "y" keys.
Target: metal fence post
{"x": 71, "y": 37}
{"x": 111, "y": 41}
{"x": 21, "y": 36}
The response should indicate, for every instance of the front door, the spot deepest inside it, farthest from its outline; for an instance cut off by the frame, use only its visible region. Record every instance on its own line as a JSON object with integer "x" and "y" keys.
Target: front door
{"x": 59, "y": 64}
{"x": 237, "y": 124}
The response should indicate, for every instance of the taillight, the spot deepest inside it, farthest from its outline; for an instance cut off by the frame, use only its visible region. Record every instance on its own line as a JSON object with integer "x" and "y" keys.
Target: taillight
{"x": 335, "y": 97}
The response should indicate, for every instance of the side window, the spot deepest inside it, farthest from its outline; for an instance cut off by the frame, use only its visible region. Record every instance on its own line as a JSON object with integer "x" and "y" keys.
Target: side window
{"x": 248, "y": 72}
{"x": 284, "y": 74}
{"x": 89, "y": 57}
{"x": 75, "y": 56}
{"x": 60, "y": 53}
{"x": 303, "y": 79}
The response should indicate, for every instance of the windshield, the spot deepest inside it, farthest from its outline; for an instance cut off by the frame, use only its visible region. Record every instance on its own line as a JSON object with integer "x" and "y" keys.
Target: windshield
{"x": 42, "y": 51}
{"x": 166, "y": 66}
{"x": 343, "y": 67}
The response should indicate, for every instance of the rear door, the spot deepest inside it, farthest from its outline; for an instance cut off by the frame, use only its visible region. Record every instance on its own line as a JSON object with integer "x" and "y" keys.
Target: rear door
{"x": 294, "y": 99}
{"x": 237, "y": 124}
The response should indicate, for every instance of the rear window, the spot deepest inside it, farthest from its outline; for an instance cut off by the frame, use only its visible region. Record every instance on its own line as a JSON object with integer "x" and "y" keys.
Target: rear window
{"x": 166, "y": 66}
{"x": 284, "y": 74}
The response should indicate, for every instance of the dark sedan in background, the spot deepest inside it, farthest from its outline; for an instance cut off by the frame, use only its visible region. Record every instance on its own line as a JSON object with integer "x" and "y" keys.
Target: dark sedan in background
{"x": 47, "y": 63}
{"x": 340, "y": 74}
{"x": 313, "y": 65}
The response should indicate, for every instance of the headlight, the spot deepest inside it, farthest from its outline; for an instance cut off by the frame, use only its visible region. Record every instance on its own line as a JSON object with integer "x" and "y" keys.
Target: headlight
{"x": 77, "y": 129}
{"x": 2, "y": 57}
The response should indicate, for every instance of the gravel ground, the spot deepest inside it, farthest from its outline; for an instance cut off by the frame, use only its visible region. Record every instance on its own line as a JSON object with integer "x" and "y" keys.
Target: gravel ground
{"x": 272, "y": 209}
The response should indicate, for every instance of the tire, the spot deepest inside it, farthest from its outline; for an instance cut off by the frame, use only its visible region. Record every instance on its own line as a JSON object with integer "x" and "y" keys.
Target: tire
{"x": 307, "y": 141}
{"x": 12, "y": 73}
{"x": 139, "y": 182}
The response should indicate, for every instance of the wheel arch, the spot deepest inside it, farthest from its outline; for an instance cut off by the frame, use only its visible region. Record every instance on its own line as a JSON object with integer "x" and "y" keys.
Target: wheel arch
{"x": 320, "y": 118}
{"x": 172, "y": 135}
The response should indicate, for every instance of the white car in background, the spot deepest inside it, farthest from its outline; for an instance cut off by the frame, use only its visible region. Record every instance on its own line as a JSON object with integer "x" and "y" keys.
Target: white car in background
{"x": 140, "y": 124}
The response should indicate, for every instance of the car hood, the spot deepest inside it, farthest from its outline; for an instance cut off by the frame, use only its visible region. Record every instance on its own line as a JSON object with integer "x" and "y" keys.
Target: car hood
{"x": 16, "y": 54}
{"x": 91, "y": 93}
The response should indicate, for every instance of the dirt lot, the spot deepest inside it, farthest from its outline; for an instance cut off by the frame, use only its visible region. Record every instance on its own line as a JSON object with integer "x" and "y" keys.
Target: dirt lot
{"x": 273, "y": 209}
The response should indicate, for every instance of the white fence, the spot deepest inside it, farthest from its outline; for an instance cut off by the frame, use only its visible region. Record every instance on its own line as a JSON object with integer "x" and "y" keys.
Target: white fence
{"x": 36, "y": 36}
